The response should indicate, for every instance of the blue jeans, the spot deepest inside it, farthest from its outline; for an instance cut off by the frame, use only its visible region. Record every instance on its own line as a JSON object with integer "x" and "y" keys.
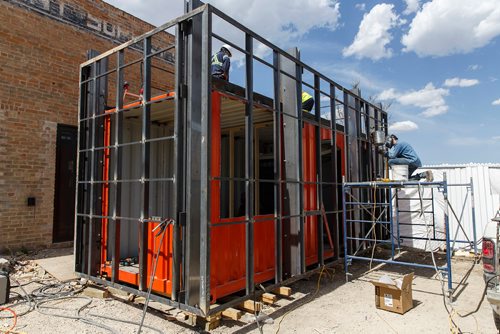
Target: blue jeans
{"x": 412, "y": 166}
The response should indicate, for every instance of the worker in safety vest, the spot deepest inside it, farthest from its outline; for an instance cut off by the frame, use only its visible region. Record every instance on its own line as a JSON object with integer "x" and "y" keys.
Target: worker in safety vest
{"x": 401, "y": 153}
{"x": 307, "y": 101}
{"x": 221, "y": 63}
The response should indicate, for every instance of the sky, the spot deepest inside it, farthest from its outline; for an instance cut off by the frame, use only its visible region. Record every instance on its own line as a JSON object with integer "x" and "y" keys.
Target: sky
{"x": 434, "y": 64}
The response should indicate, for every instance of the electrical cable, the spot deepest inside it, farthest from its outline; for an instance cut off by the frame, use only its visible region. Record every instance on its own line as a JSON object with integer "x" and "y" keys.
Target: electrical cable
{"x": 14, "y": 316}
{"x": 51, "y": 292}
{"x": 255, "y": 313}
{"x": 75, "y": 317}
{"x": 163, "y": 227}
{"x": 26, "y": 299}
{"x": 453, "y": 325}
{"x": 312, "y": 296}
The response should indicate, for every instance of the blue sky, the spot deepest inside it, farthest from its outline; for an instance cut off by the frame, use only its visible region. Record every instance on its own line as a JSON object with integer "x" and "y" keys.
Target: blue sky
{"x": 435, "y": 62}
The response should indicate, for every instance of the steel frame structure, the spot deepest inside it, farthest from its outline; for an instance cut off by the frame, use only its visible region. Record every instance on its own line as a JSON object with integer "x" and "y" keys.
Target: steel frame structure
{"x": 380, "y": 208}
{"x": 98, "y": 198}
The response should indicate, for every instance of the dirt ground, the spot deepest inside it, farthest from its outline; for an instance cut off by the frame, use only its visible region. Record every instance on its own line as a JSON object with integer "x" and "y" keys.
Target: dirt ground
{"x": 333, "y": 306}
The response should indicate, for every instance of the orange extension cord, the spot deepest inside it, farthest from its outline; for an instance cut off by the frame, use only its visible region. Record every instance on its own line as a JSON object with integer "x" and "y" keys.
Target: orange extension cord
{"x": 14, "y": 321}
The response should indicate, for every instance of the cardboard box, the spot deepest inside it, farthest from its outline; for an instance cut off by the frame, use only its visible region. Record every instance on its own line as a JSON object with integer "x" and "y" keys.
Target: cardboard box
{"x": 394, "y": 296}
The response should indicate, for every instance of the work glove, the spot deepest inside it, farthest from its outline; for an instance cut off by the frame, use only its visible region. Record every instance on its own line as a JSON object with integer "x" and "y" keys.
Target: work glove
{"x": 388, "y": 142}
{"x": 382, "y": 150}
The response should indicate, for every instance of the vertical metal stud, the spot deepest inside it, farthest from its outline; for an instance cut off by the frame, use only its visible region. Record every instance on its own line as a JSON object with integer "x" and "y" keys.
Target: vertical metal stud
{"x": 206, "y": 112}
{"x": 278, "y": 187}
{"x": 319, "y": 170}
{"x": 94, "y": 99}
{"x": 300, "y": 167}
{"x": 179, "y": 158}
{"x": 114, "y": 227}
{"x": 145, "y": 161}
{"x": 249, "y": 167}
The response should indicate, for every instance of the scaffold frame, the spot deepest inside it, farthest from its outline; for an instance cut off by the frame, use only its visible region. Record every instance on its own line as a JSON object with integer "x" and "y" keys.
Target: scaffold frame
{"x": 360, "y": 199}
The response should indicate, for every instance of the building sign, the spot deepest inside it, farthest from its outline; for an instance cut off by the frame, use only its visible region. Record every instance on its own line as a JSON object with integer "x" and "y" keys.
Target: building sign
{"x": 77, "y": 16}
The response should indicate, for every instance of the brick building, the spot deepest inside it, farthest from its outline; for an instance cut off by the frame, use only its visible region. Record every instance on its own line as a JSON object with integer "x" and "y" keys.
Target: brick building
{"x": 42, "y": 44}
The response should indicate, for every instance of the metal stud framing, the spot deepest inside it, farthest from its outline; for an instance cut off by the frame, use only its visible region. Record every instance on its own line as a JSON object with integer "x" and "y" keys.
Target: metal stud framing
{"x": 190, "y": 202}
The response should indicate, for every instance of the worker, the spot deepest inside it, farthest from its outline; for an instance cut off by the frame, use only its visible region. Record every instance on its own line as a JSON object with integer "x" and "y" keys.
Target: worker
{"x": 307, "y": 102}
{"x": 401, "y": 153}
{"x": 221, "y": 63}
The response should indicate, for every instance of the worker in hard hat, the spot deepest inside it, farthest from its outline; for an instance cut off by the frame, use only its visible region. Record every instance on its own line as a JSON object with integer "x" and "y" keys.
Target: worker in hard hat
{"x": 401, "y": 153}
{"x": 307, "y": 102}
{"x": 221, "y": 62}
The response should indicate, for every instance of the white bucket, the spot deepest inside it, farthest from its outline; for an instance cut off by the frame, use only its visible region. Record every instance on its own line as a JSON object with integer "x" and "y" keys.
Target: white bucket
{"x": 399, "y": 173}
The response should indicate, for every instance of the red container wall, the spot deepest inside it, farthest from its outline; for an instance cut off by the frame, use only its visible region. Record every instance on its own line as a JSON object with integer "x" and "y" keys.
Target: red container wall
{"x": 310, "y": 192}
{"x": 227, "y": 239}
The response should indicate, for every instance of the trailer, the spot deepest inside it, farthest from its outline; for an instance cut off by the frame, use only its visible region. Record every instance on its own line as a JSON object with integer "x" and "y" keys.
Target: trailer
{"x": 197, "y": 192}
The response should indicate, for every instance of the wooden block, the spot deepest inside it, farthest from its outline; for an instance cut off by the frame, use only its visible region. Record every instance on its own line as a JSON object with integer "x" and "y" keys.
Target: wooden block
{"x": 192, "y": 319}
{"x": 96, "y": 293}
{"x": 209, "y": 325}
{"x": 284, "y": 291}
{"x": 214, "y": 317}
{"x": 250, "y": 306}
{"x": 118, "y": 292}
{"x": 232, "y": 313}
{"x": 269, "y": 298}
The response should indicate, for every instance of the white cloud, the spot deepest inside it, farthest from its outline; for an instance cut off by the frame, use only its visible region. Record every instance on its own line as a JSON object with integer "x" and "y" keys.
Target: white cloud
{"x": 444, "y": 27}
{"x": 412, "y": 6}
{"x": 496, "y": 103}
{"x": 361, "y": 6}
{"x": 429, "y": 98}
{"x": 403, "y": 126}
{"x": 457, "y": 82}
{"x": 495, "y": 138}
{"x": 374, "y": 34}
{"x": 280, "y": 21}
{"x": 474, "y": 67}
{"x": 388, "y": 94}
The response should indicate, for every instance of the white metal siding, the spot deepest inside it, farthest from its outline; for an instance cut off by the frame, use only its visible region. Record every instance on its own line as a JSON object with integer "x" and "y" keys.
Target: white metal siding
{"x": 486, "y": 201}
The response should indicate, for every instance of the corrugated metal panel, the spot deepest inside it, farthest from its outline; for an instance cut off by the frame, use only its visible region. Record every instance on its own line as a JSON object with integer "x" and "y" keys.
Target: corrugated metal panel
{"x": 486, "y": 201}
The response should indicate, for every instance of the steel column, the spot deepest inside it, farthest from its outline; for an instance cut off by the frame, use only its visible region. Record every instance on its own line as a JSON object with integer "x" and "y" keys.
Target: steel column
{"x": 473, "y": 213}
{"x": 447, "y": 232}
{"x": 319, "y": 170}
{"x": 145, "y": 166}
{"x": 300, "y": 165}
{"x": 205, "y": 172}
{"x": 114, "y": 227}
{"x": 180, "y": 164}
{"x": 278, "y": 186}
{"x": 249, "y": 168}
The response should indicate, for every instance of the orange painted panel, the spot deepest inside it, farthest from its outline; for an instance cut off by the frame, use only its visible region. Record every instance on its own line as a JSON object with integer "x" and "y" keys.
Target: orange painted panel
{"x": 227, "y": 239}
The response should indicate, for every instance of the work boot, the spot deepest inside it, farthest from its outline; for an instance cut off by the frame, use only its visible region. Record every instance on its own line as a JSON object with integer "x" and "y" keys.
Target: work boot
{"x": 428, "y": 176}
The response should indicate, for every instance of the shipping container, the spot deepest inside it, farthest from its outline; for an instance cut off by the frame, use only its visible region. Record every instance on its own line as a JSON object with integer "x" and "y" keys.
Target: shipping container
{"x": 201, "y": 189}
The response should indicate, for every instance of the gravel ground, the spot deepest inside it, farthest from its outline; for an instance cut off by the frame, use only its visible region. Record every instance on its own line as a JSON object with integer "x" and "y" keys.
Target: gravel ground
{"x": 334, "y": 307}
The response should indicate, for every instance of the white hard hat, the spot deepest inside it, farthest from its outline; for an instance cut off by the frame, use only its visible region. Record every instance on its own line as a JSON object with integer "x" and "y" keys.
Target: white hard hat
{"x": 228, "y": 48}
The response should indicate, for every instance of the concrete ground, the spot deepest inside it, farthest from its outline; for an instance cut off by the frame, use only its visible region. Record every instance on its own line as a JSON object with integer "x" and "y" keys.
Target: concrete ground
{"x": 332, "y": 306}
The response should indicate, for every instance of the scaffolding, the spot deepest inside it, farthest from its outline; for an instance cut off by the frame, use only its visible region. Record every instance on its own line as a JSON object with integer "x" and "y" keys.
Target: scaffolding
{"x": 378, "y": 204}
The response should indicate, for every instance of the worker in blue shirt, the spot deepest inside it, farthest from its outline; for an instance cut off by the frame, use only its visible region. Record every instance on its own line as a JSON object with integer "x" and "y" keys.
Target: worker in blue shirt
{"x": 401, "y": 153}
{"x": 221, "y": 63}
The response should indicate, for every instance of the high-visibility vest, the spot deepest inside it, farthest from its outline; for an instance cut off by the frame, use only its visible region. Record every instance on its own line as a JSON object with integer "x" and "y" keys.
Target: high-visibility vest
{"x": 305, "y": 97}
{"x": 215, "y": 60}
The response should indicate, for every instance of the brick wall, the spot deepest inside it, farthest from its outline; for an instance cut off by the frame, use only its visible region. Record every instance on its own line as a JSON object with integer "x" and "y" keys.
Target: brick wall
{"x": 42, "y": 44}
